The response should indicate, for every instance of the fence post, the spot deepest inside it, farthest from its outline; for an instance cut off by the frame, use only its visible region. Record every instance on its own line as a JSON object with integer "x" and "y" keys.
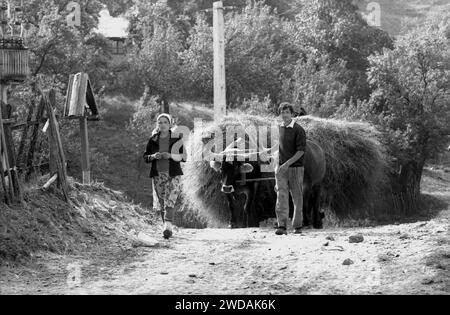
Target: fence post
{"x": 85, "y": 163}
{"x": 4, "y": 147}
{"x": 54, "y": 136}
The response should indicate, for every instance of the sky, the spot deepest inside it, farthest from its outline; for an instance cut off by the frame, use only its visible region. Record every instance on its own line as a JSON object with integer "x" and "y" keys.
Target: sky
{"x": 112, "y": 26}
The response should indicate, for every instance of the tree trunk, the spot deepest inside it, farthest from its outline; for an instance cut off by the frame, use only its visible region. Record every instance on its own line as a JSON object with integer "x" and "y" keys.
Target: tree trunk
{"x": 165, "y": 105}
{"x": 409, "y": 179}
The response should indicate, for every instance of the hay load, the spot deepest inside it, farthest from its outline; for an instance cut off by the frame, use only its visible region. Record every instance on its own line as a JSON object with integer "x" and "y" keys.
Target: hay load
{"x": 356, "y": 181}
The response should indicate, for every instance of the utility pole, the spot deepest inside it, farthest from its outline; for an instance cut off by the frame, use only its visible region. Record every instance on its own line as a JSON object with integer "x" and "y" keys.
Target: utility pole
{"x": 220, "y": 102}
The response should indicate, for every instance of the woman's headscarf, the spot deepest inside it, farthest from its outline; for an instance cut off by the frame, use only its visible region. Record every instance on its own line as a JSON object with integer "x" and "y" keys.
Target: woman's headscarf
{"x": 156, "y": 130}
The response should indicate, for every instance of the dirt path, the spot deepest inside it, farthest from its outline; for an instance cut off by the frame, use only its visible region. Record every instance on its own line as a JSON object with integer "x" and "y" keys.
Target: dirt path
{"x": 408, "y": 258}
{"x": 251, "y": 261}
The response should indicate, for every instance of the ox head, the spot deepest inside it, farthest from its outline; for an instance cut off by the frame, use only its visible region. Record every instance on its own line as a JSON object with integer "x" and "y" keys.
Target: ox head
{"x": 237, "y": 196}
{"x": 231, "y": 172}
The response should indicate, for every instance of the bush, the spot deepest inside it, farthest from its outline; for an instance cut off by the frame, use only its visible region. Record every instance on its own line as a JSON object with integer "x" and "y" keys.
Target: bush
{"x": 315, "y": 86}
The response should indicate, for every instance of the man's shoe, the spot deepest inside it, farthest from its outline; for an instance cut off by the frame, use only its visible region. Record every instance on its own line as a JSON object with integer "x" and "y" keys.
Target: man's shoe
{"x": 298, "y": 231}
{"x": 281, "y": 231}
{"x": 167, "y": 230}
{"x": 167, "y": 234}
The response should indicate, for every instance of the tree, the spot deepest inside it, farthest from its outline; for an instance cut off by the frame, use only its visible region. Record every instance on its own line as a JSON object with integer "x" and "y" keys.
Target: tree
{"x": 411, "y": 98}
{"x": 315, "y": 85}
{"x": 118, "y": 7}
{"x": 155, "y": 56}
{"x": 258, "y": 54}
{"x": 57, "y": 50}
{"x": 334, "y": 28}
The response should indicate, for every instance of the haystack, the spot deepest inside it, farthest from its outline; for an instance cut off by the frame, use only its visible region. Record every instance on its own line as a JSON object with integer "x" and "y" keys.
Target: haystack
{"x": 355, "y": 184}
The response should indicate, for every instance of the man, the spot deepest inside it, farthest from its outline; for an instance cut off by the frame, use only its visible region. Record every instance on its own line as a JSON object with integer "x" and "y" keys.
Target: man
{"x": 290, "y": 170}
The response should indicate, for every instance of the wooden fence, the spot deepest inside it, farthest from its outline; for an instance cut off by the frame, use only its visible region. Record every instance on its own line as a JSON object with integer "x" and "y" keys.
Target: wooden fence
{"x": 15, "y": 162}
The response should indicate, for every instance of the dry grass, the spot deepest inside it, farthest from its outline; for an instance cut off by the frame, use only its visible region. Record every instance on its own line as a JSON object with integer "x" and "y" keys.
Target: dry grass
{"x": 97, "y": 217}
{"x": 356, "y": 183}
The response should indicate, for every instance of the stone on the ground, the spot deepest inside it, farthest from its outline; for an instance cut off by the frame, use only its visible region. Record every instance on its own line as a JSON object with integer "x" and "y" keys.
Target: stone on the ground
{"x": 358, "y": 238}
{"x": 144, "y": 240}
{"x": 384, "y": 258}
{"x": 427, "y": 281}
{"x": 330, "y": 238}
{"x": 404, "y": 236}
{"x": 348, "y": 262}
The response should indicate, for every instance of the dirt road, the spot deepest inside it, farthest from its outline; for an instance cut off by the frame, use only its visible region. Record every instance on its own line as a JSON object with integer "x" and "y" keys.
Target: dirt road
{"x": 392, "y": 259}
{"x": 408, "y": 258}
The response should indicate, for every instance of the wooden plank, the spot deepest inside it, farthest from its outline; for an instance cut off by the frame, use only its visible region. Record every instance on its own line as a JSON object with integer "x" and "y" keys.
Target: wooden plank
{"x": 90, "y": 99}
{"x": 74, "y": 96}
{"x": 46, "y": 125}
{"x": 12, "y": 159}
{"x": 255, "y": 180}
{"x": 82, "y": 89}
{"x": 56, "y": 139}
{"x": 50, "y": 181}
{"x": 9, "y": 121}
{"x": 34, "y": 137}
{"x": 53, "y": 155}
{"x": 85, "y": 160}
{"x": 4, "y": 186}
{"x": 68, "y": 95}
{"x": 4, "y": 147}
{"x": 8, "y": 136}
{"x": 26, "y": 127}
{"x": 34, "y": 122}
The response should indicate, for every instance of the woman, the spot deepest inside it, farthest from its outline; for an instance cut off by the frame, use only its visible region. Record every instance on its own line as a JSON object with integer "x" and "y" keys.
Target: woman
{"x": 165, "y": 152}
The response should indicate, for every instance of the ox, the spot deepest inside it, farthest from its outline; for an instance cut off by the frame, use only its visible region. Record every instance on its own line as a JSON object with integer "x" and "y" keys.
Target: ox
{"x": 246, "y": 215}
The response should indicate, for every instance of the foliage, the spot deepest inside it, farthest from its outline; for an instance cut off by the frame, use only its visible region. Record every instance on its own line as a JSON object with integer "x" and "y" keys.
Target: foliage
{"x": 258, "y": 54}
{"x": 142, "y": 123}
{"x": 256, "y": 106}
{"x": 316, "y": 86}
{"x": 335, "y": 29}
{"x": 412, "y": 97}
{"x": 156, "y": 56}
{"x": 58, "y": 50}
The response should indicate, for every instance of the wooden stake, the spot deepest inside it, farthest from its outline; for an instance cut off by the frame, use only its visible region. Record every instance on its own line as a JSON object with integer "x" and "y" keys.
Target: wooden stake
{"x": 34, "y": 137}
{"x": 24, "y": 137}
{"x": 50, "y": 181}
{"x": 2, "y": 176}
{"x": 50, "y": 103}
{"x": 3, "y": 98}
{"x": 85, "y": 163}
{"x": 219, "y": 61}
{"x": 15, "y": 182}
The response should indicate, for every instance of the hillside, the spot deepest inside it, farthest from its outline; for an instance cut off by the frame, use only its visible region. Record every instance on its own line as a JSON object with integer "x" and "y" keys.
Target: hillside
{"x": 393, "y": 11}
